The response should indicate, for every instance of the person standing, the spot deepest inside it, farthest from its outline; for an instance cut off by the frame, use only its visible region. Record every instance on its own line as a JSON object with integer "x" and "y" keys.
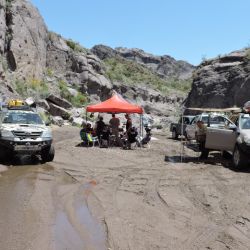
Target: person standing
{"x": 114, "y": 125}
{"x": 128, "y": 123}
{"x": 99, "y": 127}
{"x": 200, "y": 135}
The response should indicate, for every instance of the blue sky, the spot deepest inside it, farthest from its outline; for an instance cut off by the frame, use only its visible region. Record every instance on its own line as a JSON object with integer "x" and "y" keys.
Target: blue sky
{"x": 184, "y": 29}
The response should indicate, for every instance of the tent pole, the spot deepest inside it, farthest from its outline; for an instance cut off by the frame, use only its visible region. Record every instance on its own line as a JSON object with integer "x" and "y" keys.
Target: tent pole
{"x": 182, "y": 132}
{"x": 142, "y": 125}
{"x": 86, "y": 116}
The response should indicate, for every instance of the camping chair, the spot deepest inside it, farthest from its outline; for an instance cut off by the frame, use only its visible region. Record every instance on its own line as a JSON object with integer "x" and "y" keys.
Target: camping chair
{"x": 95, "y": 141}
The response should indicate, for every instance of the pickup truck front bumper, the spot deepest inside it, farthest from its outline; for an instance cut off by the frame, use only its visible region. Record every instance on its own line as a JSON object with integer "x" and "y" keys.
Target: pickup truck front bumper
{"x": 25, "y": 146}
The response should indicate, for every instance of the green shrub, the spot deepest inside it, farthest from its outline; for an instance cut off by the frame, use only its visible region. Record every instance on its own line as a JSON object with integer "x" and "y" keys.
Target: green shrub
{"x": 33, "y": 87}
{"x": 78, "y": 101}
{"x": 76, "y": 46}
{"x": 131, "y": 73}
{"x": 50, "y": 72}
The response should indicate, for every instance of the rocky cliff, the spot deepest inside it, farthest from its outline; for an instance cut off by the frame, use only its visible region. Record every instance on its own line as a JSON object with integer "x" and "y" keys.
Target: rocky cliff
{"x": 221, "y": 82}
{"x": 36, "y": 62}
{"x": 165, "y": 66}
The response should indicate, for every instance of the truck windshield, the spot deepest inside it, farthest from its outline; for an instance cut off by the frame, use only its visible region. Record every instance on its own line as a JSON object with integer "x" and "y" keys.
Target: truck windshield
{"x": 22, "y": 118}
{"x": 245, "y": 122}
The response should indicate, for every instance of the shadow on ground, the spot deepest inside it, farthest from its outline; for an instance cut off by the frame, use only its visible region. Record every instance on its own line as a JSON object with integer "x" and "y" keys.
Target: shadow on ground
{"x": 215, "y": 159}
{"x": 22, "y": 160}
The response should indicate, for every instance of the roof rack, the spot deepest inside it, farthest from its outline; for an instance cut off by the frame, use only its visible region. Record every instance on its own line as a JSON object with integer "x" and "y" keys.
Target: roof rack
{"x": 16, "y": 104}
{"x": 24, "y": 107}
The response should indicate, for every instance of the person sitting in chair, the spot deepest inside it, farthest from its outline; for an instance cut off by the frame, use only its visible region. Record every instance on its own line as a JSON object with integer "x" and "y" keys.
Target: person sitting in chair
{"x": 146, "y": 139}
{"x": 131, "y": 137}
{"x": 86, "y": 134}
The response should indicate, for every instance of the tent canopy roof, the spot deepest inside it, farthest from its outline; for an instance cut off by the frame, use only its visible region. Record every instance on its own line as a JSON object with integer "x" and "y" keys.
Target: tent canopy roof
{"x": 115, "y": 104}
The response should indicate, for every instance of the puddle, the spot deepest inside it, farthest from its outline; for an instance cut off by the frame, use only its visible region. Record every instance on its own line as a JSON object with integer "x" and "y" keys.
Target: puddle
{"x": 80, "y": 230}
{"x": 96, "y": 235}
{"x": 66, "y": 236}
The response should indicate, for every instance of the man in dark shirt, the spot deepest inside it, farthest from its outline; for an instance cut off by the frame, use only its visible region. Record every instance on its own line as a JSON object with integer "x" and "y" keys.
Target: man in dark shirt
{"x": 128, "y": 123}
{"x": 99, "y": 127}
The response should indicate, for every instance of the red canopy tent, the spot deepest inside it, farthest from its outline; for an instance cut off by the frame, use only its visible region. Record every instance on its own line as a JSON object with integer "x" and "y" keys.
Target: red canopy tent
{"x": 115, "y": 104}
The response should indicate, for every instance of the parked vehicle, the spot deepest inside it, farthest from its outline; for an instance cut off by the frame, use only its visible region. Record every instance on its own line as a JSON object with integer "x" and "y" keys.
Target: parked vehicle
{"x": 22, "y": 131}
{"x": 179, "y": 128}
{"x": 234, "y": 139}
{"x": 213, "y": 120}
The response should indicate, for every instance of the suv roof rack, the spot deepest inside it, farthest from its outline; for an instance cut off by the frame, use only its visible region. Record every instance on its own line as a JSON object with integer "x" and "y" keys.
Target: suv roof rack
{"x": 24, "y": 107}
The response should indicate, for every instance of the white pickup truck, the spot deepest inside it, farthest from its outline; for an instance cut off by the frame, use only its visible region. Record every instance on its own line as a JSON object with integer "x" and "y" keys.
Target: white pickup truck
{"x": 234, "y": 139}
{"x": 22, "y": 131}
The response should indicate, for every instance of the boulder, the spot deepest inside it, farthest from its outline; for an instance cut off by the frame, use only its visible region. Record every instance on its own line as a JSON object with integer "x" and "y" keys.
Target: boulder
{"x": 58, "y": 111}
{"x": 59, "y": 101}
{"x": 76, "y": 121}
{"x": 57, "y": 120}
{"x": 43, "y": 104}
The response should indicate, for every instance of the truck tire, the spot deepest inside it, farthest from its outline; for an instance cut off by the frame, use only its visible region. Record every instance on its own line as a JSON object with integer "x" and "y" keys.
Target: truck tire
{"x": 174, "y": 134}
{"x": 5, "y": 154}
{"x": 239, "y": 159}
{"x": 48, "y": 154}
{"x": 226, "y": 155}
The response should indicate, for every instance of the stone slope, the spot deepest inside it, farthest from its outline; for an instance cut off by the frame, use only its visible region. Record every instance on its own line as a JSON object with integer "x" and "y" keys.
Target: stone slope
{"x": 165, "y": 66}
{"x": 222, "y": 82}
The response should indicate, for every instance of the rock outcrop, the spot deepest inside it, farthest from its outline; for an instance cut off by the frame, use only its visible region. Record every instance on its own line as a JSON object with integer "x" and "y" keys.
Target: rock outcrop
{"x": 165, "y": 66}
{"x": 222, "y": 82}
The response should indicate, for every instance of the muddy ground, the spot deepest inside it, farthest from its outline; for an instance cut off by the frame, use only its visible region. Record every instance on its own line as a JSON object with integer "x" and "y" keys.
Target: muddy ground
{"x": 142, "y": 199}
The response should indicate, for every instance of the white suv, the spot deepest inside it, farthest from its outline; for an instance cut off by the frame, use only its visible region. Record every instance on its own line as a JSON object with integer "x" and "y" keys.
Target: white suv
{"x": 22, "y": 131}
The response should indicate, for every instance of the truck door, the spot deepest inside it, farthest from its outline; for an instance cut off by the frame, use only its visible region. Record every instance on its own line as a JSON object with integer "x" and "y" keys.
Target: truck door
{"x": 190, "y": 129}
{"x": 220, "y": 139}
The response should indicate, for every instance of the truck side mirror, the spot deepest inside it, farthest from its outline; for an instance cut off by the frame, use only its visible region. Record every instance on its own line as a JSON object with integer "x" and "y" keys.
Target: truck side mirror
{"x": 233, "y": 127}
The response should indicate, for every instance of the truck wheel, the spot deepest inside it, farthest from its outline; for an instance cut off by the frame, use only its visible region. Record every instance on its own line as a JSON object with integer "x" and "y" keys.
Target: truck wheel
{"x": 239, "y": 159}
{"x": 48, "y": 154}
{"x": 174, "y": 134}
{"x": 2, "y": 154}
{"x": 226, "y": 155}
{"x": 5, "y": 154}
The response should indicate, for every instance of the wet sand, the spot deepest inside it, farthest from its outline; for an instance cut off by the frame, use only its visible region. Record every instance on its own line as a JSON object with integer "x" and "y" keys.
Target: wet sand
{"x": 92, "y": 198}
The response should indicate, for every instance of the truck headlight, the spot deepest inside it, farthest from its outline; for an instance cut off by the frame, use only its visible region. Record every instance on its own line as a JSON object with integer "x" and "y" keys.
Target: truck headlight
{"x": 47, "y": 134}
{"x": 6, "y": 133}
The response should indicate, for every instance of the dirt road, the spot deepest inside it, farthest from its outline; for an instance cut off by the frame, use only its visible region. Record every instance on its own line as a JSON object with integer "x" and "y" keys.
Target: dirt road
{"x": 143, "y": 199}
